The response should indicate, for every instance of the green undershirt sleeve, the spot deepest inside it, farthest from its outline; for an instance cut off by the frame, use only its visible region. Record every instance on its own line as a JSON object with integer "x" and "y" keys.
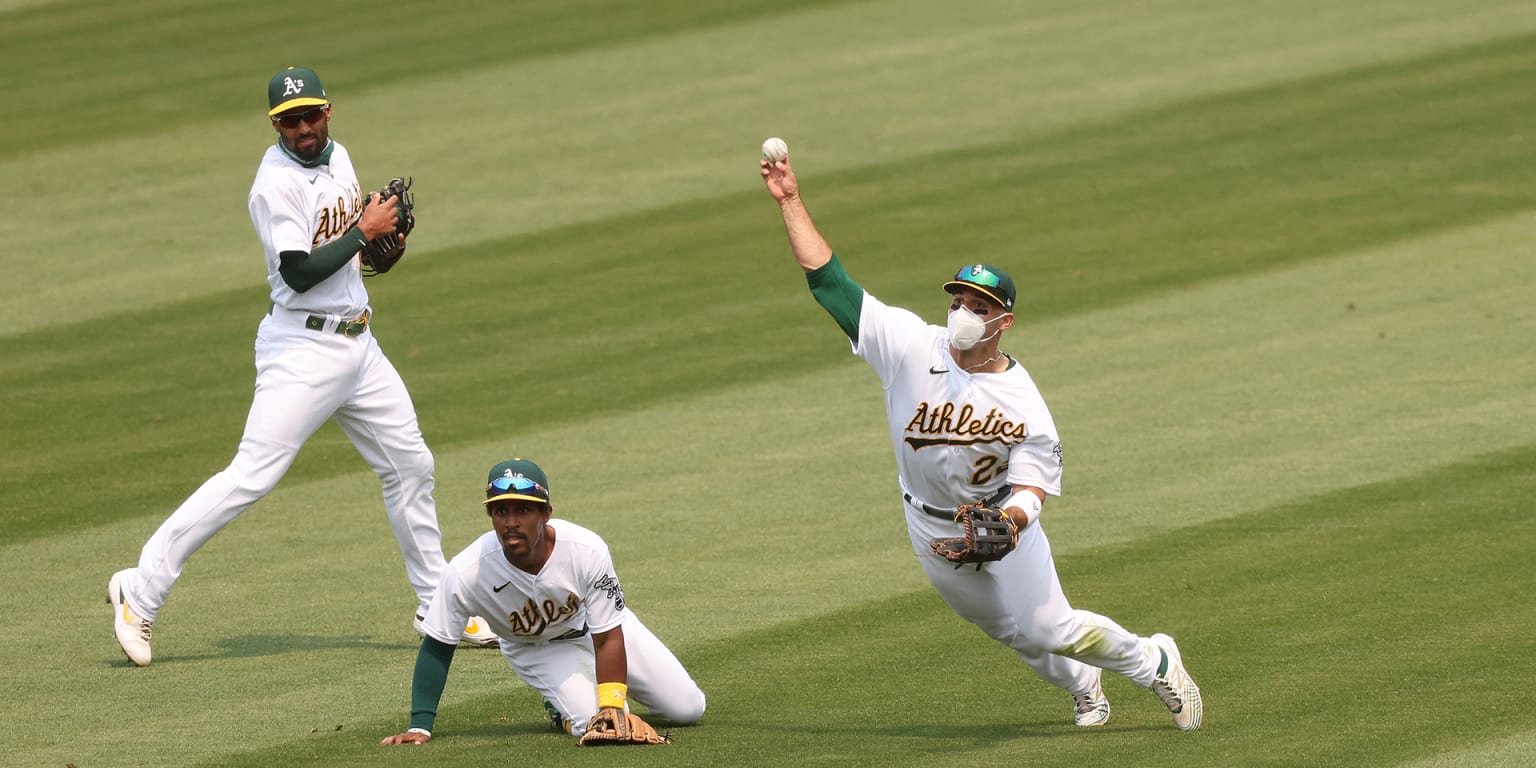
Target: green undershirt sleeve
{"x": 427, "y": 684}
{"x": 303, "y": 271}
{"x": 838, "y": 294}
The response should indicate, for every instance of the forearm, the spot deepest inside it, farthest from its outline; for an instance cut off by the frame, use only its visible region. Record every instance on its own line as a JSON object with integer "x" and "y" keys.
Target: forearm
{"x": 427, "y": 683}
{"x": 303, "y": 271}
{"x": 609, "y": 661}
{"x": 811, "y": 249}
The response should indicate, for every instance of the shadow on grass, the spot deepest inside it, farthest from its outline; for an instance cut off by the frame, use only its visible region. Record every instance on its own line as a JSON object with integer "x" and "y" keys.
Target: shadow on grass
{"x": 979, "y": 735}
{"x": 249, "y": 646}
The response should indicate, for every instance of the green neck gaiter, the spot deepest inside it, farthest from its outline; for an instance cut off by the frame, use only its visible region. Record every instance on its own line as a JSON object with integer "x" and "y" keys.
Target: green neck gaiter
{"x": 324, "y": 158}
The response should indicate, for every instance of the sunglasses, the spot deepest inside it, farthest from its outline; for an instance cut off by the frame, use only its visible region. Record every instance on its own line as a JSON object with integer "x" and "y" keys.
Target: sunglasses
{"x": 518, "y": 484}
{"x": 978, "y": 275}
{"x": 292, "y": 119}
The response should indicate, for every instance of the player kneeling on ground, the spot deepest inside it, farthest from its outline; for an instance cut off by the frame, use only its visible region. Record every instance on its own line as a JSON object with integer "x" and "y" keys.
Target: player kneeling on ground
{"x": 549, "y": 589}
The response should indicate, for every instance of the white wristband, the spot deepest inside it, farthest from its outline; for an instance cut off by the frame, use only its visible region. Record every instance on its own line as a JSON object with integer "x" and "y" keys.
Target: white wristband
{"x": 1027, "y": 501}
{"x": 422, "y": 731}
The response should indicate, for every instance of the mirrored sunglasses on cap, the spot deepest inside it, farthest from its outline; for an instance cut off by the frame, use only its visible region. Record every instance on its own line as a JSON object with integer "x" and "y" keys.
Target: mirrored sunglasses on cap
{"x": 515, "y": 487}
{"x": 979, "y": 275}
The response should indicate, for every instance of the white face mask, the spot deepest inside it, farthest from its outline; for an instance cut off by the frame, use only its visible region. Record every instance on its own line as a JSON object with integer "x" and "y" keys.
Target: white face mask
{"x": 966, "y": 329}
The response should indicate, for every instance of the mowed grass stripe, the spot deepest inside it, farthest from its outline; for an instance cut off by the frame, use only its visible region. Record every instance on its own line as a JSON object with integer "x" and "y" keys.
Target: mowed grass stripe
{"x": 695, "y": 298}
{"x": 1512, "y": 752}
{"x": 1211, "y": 400}
{"x": 87, "y": 60}
{"x": 1375, "y": 626}
{"x": 551, "y": 141}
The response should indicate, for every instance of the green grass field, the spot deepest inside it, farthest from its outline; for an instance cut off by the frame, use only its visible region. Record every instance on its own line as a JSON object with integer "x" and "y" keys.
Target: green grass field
{"x": 1275, "y": 285}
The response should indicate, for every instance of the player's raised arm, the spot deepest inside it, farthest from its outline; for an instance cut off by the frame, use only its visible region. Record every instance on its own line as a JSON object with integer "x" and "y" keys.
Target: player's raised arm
{"x": 811, "y": 249}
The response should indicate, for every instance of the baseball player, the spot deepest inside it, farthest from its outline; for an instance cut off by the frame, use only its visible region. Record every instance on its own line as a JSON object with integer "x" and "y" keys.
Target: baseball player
{"x": 316, "y": 359}
{"x": 968, "y": 423}
{"x": 549, "y": 589}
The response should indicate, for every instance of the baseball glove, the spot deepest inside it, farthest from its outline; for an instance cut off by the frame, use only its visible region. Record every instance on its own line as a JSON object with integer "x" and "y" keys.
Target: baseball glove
{"x": 383, "y": 252}
{"x": 611, "y": 726}
{"x": 987, "y": 534}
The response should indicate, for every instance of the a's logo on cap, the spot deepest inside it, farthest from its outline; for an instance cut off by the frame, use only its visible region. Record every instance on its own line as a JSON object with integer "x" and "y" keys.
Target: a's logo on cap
{"x": 292, "y": 86}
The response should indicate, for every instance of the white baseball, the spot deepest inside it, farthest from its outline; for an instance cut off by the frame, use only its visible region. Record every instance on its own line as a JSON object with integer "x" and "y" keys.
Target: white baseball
{"x": 775, "y": 150}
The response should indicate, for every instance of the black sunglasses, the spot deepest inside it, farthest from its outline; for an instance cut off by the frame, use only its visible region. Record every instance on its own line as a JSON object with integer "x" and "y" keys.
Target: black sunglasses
{"x": 292, "y": 119}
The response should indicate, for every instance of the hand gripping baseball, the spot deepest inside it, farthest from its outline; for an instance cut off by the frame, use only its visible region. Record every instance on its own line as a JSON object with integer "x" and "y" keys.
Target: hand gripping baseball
{"x": 987, "y": 534}
{"x": 776, "y": 171}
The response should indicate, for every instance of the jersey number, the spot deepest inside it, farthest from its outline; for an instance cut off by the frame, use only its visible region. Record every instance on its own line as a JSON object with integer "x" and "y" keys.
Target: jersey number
{"x": 988, "y": 468}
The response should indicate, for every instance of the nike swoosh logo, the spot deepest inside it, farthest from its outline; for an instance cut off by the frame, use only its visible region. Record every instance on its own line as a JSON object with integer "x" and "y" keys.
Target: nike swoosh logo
{"x": 473, "y": 626}
{"x": 500, "y": 588}
{"x": 127, "y": 614}
{"x": 938, "y": 370}
{"x": 314, "y": 179}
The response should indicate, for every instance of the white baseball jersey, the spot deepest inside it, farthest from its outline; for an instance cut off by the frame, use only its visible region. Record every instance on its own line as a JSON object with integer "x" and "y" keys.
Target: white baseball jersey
{"x": 957, "y": 435}
{"x": 576, "y": 589}
{"x": 300, "y": 209}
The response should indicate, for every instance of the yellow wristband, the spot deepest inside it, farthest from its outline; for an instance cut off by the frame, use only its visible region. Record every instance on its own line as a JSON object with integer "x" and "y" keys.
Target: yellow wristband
{"x": 611, "y": 695}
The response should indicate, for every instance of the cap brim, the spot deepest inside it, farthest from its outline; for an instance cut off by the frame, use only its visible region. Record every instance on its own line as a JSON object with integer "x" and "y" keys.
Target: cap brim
{"x": 302, "y": 101}
{"x": 951, "y": 285}
{"x": 517, "y": 497}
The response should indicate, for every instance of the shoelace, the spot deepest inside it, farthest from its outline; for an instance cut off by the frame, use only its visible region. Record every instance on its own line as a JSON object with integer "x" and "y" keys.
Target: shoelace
{"x": 1174, "y": 700}
{"x": 1084, "y": 703}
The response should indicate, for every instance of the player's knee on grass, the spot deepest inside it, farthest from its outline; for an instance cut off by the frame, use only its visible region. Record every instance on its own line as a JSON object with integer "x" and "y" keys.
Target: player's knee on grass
{"x": 680, "y": 708}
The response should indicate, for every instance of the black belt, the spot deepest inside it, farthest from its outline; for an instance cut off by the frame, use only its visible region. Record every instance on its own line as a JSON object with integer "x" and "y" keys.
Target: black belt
{"x": 343, "y": 327}
{"x": 572, "y": 634}
{"x": 949, "y": 514}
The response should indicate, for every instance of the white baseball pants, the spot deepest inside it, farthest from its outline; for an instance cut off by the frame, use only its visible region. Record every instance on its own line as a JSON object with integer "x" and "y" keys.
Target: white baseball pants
{"x": 1018, "y": 601}
{"x": 564, "y": 673}
{"x": 304, "y": 377}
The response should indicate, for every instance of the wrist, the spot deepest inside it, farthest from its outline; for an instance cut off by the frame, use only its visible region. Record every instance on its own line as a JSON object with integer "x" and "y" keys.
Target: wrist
{"x": 613, "y": 695}
{"x": 1027, "y": 506}
{"x": 421, "y": 731}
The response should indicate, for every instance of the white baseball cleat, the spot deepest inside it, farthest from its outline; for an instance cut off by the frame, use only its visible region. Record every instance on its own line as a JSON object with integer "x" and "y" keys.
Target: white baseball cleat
{"x": 132, "y": 632}
{"x": 476, "y": 632}
{"x": 1175, "y": 687}
{"x": 1091, "y": 708}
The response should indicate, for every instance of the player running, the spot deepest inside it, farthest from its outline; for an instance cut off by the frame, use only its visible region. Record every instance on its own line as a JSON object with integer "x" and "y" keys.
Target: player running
{"x": 316, "y": 359}
{"x": 550, "y": 590}
{"x": 967, "y": 422}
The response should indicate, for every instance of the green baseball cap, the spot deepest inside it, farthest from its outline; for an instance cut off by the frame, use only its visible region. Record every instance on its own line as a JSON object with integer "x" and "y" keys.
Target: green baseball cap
{"x": 517, "y": 480}
{"x": 989, "y": 280}
{"x": 294, "y": 87}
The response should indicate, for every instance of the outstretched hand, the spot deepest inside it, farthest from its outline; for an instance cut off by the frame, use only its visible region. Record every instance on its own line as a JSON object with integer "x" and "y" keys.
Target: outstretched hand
{"x": 780, "y": 179}
{"x": 409, "y": 737}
